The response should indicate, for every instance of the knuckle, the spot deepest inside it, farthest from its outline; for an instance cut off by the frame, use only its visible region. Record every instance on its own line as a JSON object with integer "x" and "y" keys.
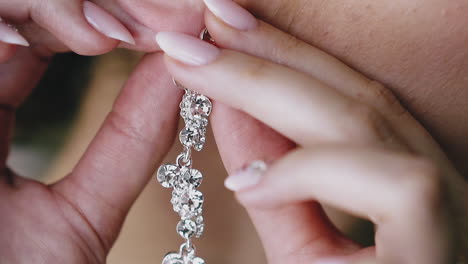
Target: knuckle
{"x": 389, "y": 102}
{"x": 256, "y": 69}
{"x": 125, "y": 126}
{"x": 367, "y": 125}
{"x": 287, "y": 43}
{"x": 364, "y": 115}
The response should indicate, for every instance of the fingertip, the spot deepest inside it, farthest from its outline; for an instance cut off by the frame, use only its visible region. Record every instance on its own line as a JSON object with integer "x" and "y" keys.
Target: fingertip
{"x": 105, "y": 23}
{"x": 246, "y": 178}
{"x": 187, "y": 49}
{"x": 232, "y": 14}
{"x": 88, "y": 50}
{"x": 66, "y": 20}
{"x": 220, "y": 31}
{"x": 10, "y": 35}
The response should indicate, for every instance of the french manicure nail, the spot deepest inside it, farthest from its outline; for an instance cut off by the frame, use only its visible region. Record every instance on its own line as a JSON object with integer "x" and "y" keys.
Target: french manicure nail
{"x": 187, "y": 49}
{"x": 10, "y": 36}
{"x": 246, "y": 178}
{"x": 105, "y": 23}
{"x": 232, "y": 14}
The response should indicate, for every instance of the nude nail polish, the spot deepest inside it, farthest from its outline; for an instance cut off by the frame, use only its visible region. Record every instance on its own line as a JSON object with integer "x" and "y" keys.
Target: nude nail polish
{"x": 246, "y": 178}
{"x": 232, "y": 14}
{"x": 105, "y": 23}
{"x": 187, "y": 49}
{"x": 10, "y": 36}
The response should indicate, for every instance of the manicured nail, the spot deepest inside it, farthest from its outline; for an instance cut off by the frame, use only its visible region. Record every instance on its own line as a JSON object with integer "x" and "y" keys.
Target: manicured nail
{"x": 246, "y": 178}
{"x": 105, "y": 23}
{"x": 232, "y": 14}
{"x": 9, "y": 35}
{"x": 187, "y": 49}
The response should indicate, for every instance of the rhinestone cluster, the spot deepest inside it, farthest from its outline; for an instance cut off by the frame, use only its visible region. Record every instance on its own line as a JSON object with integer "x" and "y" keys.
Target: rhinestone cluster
{"x": 186, "y": 200}
{"x": 195, "y": 109}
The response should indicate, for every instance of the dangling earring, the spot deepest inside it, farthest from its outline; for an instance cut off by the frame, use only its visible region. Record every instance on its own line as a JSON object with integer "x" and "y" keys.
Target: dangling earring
{"x": 186, "y": 199}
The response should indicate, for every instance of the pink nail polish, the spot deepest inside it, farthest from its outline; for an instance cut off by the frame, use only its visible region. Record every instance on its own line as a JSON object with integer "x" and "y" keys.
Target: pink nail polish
{"x": 232, "y": 14}
{"x": 247, "y": 177}
{"x": 187, "y": 49}
{"x": 9, "y": 35}
{"x": 105, "y": 23}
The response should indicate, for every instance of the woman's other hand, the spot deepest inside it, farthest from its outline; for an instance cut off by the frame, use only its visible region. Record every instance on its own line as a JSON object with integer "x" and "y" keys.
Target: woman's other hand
{"x": 77, "y": 219}
{"x": 340, "y": 139}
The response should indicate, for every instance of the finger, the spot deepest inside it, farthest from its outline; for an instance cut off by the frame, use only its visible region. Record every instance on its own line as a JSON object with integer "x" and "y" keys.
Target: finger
{"x": 241, "y": 140}
{"x": 267, "y": 42}
{"x": 89, "y": 30}
{"x": 148, "y": 17}
{"x": 133, "y": 140}
{"x": 84, "y": 27}
{"x": 402, "y": 194}
{"x": 291, "y": 102}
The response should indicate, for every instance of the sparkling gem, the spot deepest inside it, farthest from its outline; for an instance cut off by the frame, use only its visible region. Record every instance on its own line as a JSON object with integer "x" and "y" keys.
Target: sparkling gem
{"x": 189, "y": 136}
{"x": 166, "y": 175}
{"x": 195, "y": 108}
{"x": 187, "y": 176}
{"x": 176, "y": 258}
{"x": 200, "y": 144}
{"x": 186, "y": 228}
{"x": 173, "y": 258}
{"x": 188, "y": 203}
{"x": 200, "y": 107}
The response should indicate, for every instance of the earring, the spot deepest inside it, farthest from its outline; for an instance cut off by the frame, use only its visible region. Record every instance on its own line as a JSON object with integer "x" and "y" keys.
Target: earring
{"x": 187, "y": 201}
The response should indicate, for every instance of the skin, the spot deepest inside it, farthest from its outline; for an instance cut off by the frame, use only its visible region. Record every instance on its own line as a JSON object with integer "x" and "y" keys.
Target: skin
{"x": 335, "y": 155}
{"x": 423, "y": 63}
{"x": 399, "y": 59}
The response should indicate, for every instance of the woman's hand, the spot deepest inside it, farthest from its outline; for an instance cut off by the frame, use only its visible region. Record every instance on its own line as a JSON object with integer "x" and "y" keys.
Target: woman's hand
{"x": 341, "y": 139}
{"x": 91, "y": 27}
{"x": 77, "y": 220}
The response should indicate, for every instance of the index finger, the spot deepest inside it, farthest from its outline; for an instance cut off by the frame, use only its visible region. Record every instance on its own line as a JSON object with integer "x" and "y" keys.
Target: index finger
{"x": 132, "y": 141}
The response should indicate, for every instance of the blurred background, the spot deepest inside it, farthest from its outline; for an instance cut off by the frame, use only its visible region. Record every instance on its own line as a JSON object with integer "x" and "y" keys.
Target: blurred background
{"x": 60, "y": 118}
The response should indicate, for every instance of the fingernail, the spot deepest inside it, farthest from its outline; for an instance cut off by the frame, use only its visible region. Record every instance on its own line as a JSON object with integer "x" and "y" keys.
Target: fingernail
{"x": 246, "y": 178}
{"x": 9, "y": 35}
{"x": 187, "y": 49}
{"x": 105, "y": 23}
{"x": 232, "y": 14}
